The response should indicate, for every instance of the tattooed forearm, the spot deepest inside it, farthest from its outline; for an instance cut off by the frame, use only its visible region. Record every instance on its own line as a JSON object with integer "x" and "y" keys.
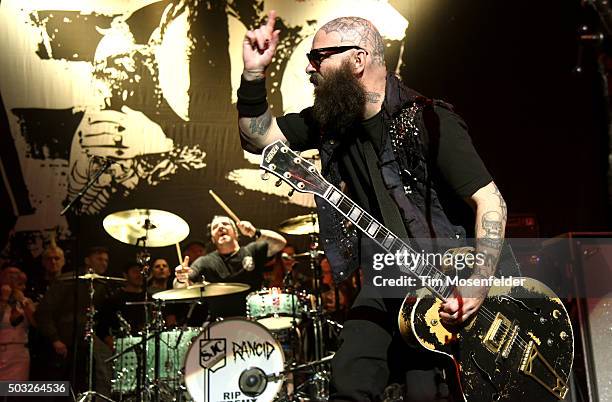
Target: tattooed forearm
{"x": 373, "y": 97}
{"x": 257, "y": 125}
{"x": 490, "y": 232}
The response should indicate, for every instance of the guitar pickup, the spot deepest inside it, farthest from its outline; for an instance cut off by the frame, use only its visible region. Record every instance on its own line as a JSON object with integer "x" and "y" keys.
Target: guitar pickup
{"x": 497, "y": 333}
{"x": 534, "y": 365}
{"x": 510, "y": 343}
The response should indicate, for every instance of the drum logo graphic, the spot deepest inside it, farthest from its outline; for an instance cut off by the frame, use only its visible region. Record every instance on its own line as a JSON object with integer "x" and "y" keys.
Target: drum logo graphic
{"x": 212, "y": 354}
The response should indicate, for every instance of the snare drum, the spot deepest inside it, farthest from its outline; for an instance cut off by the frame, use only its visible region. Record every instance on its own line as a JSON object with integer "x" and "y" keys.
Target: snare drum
{"x": 274, "y": 308}
{"x": 223, "y": 352}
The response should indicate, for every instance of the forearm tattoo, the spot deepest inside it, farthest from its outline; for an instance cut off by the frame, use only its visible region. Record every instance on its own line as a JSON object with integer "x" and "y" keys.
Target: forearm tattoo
{"x": 260, "y": 125}
{"x": 490, "y": 244}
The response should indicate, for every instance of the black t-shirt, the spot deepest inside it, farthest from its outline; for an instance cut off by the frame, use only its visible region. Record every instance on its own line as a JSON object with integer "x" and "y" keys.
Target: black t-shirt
{"x": 457, "y": 161}
{"x": 245, "y": 266}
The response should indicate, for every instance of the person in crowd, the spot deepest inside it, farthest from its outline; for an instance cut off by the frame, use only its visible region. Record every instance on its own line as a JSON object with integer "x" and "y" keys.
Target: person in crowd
{"x": 16, "y": 316}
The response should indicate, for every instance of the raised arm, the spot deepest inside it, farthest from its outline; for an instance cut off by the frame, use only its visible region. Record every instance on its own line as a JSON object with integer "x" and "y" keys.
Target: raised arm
{"x": 257, "y": 126}
{"x": 275, "y": 241}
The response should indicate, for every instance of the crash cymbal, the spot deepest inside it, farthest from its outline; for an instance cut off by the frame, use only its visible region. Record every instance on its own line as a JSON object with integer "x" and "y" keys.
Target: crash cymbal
{"x": 199, "y": 290}
{"x": 160, "y": 228}
{"x": 300, "y": 225}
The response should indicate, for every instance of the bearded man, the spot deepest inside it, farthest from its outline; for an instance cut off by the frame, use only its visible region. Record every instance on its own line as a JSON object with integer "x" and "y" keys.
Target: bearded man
{"x": 390, "y": 149}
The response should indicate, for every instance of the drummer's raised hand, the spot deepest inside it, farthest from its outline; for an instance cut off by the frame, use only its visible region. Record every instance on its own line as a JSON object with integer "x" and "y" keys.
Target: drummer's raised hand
{"x": 182, "y": 273}
{"x": 246, "y": 228}
{"x": 258, "y": 48}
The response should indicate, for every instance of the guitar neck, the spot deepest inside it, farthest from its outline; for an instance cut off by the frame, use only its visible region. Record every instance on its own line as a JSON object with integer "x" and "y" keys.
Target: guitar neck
{"x": 387, "y": 240}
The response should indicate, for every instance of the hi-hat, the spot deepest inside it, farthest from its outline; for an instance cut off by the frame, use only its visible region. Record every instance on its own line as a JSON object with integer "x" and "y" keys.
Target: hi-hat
{"x": 300, "y": 225}
{"x": 159, "y": 228}
{"x": 199, "y": 290}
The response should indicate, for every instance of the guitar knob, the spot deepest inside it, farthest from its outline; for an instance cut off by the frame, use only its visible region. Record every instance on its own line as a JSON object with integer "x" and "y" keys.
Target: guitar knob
{"x": 563, "y": 335}
{"x": 265, "y": 176}
{"x": 291, "y": 192}
{"x": 278, "y": 183}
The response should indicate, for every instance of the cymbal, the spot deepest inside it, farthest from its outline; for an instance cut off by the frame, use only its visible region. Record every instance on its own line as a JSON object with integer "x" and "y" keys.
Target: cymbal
{"x": 300, "y": 225}
{"x": 199, "y": 290}
{"x": 160, "y": 228}
{"x": 68, "y": 276}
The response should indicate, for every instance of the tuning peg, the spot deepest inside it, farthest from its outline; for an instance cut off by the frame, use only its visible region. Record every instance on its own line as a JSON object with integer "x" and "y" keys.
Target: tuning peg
{"x": 278, "y": 183}
{"x": 265, "y": 175}
{"x": 291, "y": 192}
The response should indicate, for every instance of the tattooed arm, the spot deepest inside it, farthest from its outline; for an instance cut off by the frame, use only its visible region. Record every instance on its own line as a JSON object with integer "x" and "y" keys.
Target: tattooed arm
{"x": 491, "y": 214}
{"x": 257, "y": 132}
{"x": 258, "y": 49}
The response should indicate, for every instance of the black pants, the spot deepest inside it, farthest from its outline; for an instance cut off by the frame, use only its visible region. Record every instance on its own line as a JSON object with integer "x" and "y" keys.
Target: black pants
{"x": 373, "y": 355}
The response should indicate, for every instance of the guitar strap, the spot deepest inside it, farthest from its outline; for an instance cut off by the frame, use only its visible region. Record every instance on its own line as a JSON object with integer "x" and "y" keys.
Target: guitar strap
{"x": 392, "y": 218}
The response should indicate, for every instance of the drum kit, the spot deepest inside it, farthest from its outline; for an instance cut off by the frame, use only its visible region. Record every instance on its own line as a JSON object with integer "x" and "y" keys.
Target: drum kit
{"x": 276, "y": 353}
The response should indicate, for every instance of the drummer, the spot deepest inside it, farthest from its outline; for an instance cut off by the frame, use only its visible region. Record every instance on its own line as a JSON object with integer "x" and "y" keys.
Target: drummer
{"x": 232, "y": 263}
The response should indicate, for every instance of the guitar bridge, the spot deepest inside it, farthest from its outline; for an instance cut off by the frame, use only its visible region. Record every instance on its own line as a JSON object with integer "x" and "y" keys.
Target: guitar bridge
{"x": 497, "y": 333}
{"x": 534, "y": 365}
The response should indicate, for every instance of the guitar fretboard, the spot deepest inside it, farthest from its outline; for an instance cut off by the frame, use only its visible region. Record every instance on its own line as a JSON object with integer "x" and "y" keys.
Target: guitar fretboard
{"x": 387, "y": 240}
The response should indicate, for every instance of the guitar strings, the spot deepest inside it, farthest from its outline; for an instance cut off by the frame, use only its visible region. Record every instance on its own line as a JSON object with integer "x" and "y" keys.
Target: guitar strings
{"x": 345, "y": 201}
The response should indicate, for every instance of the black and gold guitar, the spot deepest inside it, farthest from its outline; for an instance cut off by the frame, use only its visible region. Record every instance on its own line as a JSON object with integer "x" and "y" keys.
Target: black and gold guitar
{"x": 518, "y": 347}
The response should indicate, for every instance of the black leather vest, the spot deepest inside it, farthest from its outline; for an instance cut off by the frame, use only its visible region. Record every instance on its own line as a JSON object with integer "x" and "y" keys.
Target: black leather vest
{"x": 404, "y": 163}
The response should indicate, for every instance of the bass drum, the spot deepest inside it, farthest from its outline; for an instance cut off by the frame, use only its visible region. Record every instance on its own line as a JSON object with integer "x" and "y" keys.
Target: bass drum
{"x": 223, "y": 352}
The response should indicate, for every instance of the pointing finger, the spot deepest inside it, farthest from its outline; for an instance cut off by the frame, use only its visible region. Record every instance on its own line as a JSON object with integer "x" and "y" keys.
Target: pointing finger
{"x": 271, "y": 20}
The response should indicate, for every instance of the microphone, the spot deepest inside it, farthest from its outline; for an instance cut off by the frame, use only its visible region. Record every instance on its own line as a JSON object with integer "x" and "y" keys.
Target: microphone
{"x": 253, "y": 382}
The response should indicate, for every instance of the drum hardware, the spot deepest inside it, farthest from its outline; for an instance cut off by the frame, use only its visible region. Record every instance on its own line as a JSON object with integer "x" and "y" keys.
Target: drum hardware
{"x": 90, "y": 394}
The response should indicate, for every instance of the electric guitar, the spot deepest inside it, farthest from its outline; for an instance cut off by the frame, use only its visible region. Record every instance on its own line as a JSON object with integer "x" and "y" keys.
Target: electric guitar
{"x": 519, "y": 346}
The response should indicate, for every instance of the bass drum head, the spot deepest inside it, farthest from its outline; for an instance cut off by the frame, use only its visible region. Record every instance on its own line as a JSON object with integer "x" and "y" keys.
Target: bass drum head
{"x": 222, "y": 352}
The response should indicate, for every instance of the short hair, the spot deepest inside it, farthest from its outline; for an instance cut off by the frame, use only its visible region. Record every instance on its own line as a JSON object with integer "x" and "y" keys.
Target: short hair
{"x": 360, "y": 32}
{"x": 96, "y": 250}
{"x": 130, "y": 264}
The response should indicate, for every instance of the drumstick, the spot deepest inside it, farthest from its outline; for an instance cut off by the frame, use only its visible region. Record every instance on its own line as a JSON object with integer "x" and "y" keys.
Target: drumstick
{"x": 225, "y": 207}
{"x": 178, "y": 253}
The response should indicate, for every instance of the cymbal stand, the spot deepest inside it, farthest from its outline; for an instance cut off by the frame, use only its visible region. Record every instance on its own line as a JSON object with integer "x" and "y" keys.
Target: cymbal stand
{"x": 90, "y": 394}
{"x": 143, "y": 258}
{"x": 318, "y": 312}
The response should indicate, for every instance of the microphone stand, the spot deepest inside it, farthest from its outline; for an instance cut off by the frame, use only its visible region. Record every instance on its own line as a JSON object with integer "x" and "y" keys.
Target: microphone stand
{"x": 107, "y": 164}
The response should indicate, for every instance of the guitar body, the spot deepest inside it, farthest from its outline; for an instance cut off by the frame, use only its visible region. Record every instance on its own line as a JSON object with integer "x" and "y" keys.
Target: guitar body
{"x": 519, "y": 347}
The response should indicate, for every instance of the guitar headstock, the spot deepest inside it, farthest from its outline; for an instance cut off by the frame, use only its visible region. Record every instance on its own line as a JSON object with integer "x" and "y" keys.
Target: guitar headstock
{"x": 296, "y": 171}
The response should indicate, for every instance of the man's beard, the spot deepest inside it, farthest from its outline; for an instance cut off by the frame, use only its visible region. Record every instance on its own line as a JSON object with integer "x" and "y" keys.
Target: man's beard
{"x": 339, "y": 99}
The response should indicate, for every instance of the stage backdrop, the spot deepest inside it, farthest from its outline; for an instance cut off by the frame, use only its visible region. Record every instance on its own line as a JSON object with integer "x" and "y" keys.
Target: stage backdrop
{"x": 153, "y": 85}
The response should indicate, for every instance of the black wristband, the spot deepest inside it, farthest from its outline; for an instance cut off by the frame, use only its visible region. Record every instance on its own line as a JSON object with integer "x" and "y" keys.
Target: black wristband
{"x": 257, "y": 234}
{"x": 252, "y": 98}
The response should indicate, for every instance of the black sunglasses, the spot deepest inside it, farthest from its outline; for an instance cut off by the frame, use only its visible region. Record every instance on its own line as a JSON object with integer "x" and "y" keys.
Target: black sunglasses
{"x": 316, "y": 56}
